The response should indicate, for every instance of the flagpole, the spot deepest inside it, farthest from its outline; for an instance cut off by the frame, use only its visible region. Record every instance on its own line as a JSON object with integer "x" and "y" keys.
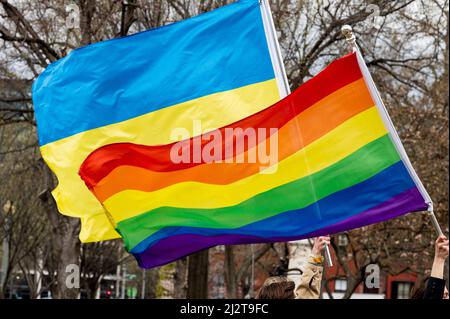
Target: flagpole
{"x": 347, "y": 31}
{"x": 274, "y": 49}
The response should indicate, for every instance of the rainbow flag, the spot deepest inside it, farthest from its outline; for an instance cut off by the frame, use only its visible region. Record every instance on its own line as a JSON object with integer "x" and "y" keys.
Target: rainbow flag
{"x": 216, "y": 68}
{"x": 322, "y": 160}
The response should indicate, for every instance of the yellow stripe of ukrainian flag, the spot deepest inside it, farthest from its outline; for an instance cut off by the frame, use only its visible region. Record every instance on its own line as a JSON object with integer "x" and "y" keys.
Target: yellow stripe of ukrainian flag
{"x": 65, "y": 156}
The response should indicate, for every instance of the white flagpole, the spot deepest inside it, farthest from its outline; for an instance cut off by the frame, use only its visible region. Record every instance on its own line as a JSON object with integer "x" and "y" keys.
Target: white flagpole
{"x": 351, "y": 39}
{"x": 280, "y": 72}
{"x": 274, "y": 49}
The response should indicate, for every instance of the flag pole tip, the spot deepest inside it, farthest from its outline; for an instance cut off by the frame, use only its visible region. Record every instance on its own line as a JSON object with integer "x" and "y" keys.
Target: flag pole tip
{"x": 346, "y": 28}
{"x": 347, "y": 32}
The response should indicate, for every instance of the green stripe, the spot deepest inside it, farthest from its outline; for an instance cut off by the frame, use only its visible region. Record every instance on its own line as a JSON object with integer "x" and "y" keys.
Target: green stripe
{"x": 355, "y": 168}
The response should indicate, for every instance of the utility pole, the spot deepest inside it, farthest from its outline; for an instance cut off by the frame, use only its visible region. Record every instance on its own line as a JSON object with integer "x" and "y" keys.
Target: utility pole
{"x": 5, "y": 255}
{"x": 198, "y": 275}
{"x": 144, "y": 274}
{"x": 8, "y": 209}
{"x": 118, "y": 269}
{"x": 39, "y": 275}
{"x": 124, "y": 281}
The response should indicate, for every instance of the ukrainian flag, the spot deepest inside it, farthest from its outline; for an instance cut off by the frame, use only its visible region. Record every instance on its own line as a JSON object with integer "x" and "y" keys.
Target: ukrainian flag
{"x": 216, "y": 68}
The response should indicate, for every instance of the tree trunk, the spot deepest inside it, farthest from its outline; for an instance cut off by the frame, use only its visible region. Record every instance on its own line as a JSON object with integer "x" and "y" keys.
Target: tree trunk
{"x": 352, "y": 284}
{"x": 87, "y": 9}
{"x": 325, "y": 284}
{"x": 69, "y": 255}
{"x": 230, "y": 273}
{"x": 198, "y": 275}
{"x": 180, "y": 284}
{"x": 4, "y": 283}
{"x": 65, "y": 242}
{"x": 151, "y": 283}
{"x": 92, "y": 285}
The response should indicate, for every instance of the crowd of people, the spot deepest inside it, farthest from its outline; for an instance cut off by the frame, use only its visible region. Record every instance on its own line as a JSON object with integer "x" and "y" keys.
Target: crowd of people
{"x": 280, "y": 287}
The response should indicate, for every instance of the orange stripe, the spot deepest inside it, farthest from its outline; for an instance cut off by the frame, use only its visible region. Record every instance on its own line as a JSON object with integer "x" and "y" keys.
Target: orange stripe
{"x": 313, "y": 123}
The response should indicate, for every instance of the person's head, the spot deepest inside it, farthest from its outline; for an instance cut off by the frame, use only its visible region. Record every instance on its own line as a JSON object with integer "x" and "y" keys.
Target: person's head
{"x": 277, "y": 287}
{"x": 419, "y": 290}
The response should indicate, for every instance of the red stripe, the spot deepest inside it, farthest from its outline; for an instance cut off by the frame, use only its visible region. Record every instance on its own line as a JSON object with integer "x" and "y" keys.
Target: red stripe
{"x": 157, "y": 158}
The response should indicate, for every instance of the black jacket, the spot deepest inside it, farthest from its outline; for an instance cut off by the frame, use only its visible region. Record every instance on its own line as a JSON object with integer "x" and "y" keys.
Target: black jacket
{"x": 434, "y": 289}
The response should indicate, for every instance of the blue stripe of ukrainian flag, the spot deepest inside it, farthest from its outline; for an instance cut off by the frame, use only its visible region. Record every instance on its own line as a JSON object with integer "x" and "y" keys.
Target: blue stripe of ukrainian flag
{"x": 119, "y": 79}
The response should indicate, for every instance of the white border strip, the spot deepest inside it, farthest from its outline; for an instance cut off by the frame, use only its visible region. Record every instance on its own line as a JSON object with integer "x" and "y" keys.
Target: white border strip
{"x": 274, "y": 49}
{"x": 390, "y": 126}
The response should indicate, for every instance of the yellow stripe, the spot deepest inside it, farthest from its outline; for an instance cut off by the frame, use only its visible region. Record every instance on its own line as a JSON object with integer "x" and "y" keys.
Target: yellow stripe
{"x": 97, "y": 227}
{"x": 325, "y": 151}
{"x": 65, "y": 156}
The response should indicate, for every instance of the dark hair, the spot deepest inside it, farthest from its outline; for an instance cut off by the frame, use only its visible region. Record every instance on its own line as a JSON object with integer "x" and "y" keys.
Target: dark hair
{"x": 277, "y": 288}
{"x": 418, "y": 291}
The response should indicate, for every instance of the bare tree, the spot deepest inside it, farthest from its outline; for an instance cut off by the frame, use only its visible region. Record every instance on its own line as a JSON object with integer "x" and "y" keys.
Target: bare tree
{"x": 406, "y": 50}
{"x": 197, "y": 287}
{"x": 180, "y": 278}
{"x": 97, "y": 260}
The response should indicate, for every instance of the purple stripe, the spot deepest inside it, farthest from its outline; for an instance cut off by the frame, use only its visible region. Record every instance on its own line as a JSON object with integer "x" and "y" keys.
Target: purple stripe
{"x": 175, "y": 247}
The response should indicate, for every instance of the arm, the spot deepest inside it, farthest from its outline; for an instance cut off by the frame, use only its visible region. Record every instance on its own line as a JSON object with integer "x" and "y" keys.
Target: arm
{"x": 310, "y": 281}
{"x": 436, "y": 284}
{"x": 440, "y": 255}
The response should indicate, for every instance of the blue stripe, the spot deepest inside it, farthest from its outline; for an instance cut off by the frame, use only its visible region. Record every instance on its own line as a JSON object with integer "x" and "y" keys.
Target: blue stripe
{"x": 115, "y": 80}
{"x": 327, "y": 211}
